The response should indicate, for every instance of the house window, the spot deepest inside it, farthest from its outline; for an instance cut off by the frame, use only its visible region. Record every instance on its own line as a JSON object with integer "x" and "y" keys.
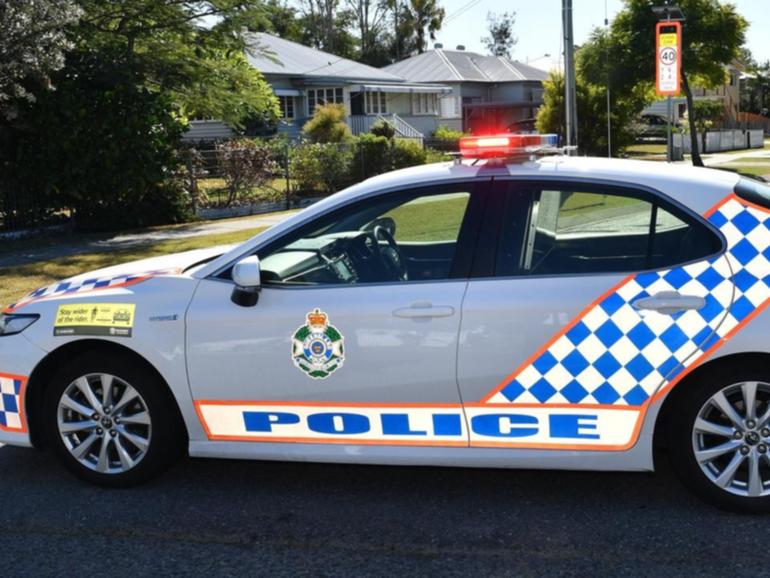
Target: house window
{"x": 321, "y": 96}
{"x": 286, "y": 103}
{"x": 376, "y": 103}
{"x": 424, "y": 103}
{"x": 450, "y": 107}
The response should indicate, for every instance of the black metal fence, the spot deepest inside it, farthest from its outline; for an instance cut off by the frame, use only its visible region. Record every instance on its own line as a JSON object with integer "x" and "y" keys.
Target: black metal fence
{"x": 296, "y": 171}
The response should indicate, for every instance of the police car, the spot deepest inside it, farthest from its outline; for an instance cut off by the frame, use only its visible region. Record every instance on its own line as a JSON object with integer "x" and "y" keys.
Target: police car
{"x": 510, "y": 310}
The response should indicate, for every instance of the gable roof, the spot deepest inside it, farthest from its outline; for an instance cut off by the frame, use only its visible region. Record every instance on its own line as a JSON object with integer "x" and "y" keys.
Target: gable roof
{"x": 295, "y": 60}
{"x": 441, "y": 65}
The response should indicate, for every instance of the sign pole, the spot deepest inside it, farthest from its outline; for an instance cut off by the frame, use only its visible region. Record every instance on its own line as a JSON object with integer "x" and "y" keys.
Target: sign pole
{"x": 668, "y": 62}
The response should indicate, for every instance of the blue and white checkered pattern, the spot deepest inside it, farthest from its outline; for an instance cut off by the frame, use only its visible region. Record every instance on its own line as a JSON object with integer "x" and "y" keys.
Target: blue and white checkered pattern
{"x": 10, "y": 400}
{"x": 87, "y": 285}
{"x": 618, "y": 355}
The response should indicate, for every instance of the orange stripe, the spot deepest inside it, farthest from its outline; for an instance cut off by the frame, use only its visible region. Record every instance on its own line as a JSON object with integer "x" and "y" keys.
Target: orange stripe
{"x": 348, "y": 441}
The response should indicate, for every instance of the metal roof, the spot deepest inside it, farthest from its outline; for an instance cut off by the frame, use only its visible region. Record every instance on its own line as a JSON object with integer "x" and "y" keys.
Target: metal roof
{"x": 288, "y": 58}
{"x": 461, "y": 66}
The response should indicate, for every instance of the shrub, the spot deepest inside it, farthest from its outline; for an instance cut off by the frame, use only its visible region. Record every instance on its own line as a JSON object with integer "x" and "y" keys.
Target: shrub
{"x": 446, "y": 133}
{"x": 436, "y": 156}
{"x": 372, "y": 155}
{"x": 244, "y": 164}
{"x": 384, "y": 129}
{"x": 321, "y": 168}
{"x": 327, "y": 125}
{"x": 408, "y": 153}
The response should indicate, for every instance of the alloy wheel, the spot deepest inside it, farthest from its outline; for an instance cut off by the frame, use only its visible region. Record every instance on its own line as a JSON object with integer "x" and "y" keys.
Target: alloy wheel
{"x": 731, "y": 439}
{"x": 104, "y": 423}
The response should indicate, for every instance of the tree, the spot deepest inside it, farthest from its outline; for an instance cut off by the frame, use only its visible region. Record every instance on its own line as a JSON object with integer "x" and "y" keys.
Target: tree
{"x": 101, "y": 146}
{"x": 500, "y": 41}
{"x": 712, "y": 37}
{"x": 591, "y": 115}
{"x": 171, "y": 46}
{"x": 33, "y": 41}
{"x": 370, "y": 20}
{"x": 426, "y": 17}
{"x": 326, "y": 27}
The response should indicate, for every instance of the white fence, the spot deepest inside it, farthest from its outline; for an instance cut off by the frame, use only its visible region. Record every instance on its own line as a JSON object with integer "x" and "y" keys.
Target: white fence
{"x": 721, "y": 140}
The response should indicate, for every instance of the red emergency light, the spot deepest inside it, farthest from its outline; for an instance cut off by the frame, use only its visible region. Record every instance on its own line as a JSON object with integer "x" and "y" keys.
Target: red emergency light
{"x": 505, "y": 145}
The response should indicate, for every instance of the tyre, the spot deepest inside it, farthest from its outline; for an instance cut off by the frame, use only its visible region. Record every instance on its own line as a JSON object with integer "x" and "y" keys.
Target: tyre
{"x": 112, "y": 421}
{"x": 719, "y": 437}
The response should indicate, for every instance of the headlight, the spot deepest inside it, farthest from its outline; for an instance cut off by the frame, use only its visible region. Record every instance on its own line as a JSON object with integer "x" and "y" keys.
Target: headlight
{"x": 12, "y": 324}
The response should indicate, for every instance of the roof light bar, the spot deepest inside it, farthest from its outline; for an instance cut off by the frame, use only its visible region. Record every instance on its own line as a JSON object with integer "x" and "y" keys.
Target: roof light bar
{"x": 506, "y": 145}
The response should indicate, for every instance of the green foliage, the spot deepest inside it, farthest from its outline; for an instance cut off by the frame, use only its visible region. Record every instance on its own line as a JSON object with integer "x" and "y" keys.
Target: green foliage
{"x": 446, "y": 133}
{"x": 408, "y": 153}
{"x": 165, "y": 49}
{"x": 383, "y": 128}
{"x": 328, "y": 125}
{"x": 103, "y": 147}
{"x": 371, "y": 156}
{"x": 501, "y": 40}
{"x": 33, "y": 41}
{"x": 712, "y": 37}
{"x": 707, "y": 112}
{"x": 591, "y": 114}
{"x": 321, "y": 167}
{"x": 425, "y": 17}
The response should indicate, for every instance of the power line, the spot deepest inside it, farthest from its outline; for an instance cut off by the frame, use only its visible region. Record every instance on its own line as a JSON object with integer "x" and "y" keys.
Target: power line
{"x": 462, "y": 10}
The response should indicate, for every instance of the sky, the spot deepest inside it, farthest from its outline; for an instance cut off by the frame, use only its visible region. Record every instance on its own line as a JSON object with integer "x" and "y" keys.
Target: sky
{"x": 538, "y": 24}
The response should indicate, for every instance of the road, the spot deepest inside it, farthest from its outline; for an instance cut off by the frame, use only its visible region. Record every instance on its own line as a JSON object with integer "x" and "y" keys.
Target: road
{"x": 228, "y": 518}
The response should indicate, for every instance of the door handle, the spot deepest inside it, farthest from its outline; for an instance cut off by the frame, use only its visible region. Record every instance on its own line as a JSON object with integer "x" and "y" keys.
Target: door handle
{"x": 423, "y": 309}
{"x": 669, "y": 302}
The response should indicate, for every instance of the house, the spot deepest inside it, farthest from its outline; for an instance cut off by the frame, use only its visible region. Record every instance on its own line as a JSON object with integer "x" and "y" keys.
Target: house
{"x": 488, "y": 93}
{"x": 304, "y": 78}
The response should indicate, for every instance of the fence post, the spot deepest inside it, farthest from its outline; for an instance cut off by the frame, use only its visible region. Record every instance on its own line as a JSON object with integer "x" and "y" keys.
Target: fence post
{"x": 288, "y": 180}
{"x": 193, "y": 182}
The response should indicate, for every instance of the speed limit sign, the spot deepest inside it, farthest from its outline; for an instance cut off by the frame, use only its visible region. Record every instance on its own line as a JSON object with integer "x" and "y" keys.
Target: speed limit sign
{"x": 668, "y": 60}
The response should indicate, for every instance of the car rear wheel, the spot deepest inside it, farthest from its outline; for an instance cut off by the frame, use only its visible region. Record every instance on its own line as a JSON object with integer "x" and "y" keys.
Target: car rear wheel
{"x": 111, "y": 421}
{"x": 719, "y": 439}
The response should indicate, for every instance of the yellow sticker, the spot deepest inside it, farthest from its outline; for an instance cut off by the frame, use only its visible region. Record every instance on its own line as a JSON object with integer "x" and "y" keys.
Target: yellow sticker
{"x": 108, "y": 319}
{"x": 667, "y": 40}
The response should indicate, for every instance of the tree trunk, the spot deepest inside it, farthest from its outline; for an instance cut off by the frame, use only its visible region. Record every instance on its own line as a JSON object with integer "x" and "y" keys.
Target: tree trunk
{"x": 697, "y": 161}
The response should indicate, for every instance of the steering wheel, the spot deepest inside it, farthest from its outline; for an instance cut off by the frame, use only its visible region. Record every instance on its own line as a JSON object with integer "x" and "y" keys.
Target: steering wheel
{"x": 392, "y": 254}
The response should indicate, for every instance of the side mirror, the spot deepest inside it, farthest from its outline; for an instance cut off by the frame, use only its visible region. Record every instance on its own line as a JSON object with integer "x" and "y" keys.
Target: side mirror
{"x": 247, "y": 277}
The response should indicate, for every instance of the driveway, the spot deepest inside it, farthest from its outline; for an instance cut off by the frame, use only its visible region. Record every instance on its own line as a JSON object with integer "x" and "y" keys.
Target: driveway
{"x": 228, "y": 518}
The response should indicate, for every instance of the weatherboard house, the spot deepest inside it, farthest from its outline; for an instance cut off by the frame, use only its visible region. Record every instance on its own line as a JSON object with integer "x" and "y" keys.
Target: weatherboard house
{"x": 488, "y": 93}
{"x": 304, "y": 78}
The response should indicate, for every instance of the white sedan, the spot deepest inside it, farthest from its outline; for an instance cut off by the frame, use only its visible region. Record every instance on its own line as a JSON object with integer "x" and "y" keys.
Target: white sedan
{"x": 500, "y": 311}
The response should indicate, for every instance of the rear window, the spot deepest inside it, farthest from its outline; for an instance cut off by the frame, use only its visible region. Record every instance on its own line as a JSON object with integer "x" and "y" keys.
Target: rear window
{"x": 754, "y": 191}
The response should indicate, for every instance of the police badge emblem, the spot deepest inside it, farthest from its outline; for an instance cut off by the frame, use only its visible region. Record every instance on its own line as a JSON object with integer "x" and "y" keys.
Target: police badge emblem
{"x": 317, "y": 347}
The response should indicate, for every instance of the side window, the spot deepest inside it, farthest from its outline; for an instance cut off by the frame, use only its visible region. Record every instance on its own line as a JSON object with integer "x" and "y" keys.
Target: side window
{"x": 398, "y": 237}
{"x": 569, "y": 232}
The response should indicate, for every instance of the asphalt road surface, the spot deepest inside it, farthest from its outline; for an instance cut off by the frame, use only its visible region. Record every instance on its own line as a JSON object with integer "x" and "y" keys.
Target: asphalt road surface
{"x": 223, "y": 518}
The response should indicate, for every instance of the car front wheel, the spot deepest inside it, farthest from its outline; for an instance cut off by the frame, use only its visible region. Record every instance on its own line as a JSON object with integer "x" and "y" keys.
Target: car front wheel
{"x": 719, "y": 439}
{"x": 111, "y": 421}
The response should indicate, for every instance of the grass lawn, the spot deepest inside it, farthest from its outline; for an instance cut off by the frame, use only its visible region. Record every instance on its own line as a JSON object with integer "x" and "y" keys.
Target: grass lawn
{"x": 643, "y": 149}
{"x": 760, "y": 171}
{"x": 215, "y": 189}
{"x": 750, "y": 160}
{"x": 18, "y": 281}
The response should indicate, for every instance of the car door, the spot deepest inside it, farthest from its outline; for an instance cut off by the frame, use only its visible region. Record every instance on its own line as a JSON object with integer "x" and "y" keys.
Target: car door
{"x": 341, "y": 347}
{"x": 586, "y": 298}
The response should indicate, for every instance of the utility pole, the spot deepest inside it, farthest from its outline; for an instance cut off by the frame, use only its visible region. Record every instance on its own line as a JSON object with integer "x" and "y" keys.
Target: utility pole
{"x": 609, "y": 101}
{"x": 569, "y": 76}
